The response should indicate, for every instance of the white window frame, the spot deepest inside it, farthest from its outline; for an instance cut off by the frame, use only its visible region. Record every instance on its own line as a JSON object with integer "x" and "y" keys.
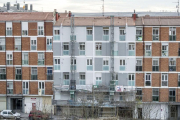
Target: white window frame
{"x": 122, "y": 31}
{"x": 130, "y": 79}
{"x": 131, "y": 47}
{"x": 155, "y": 59}
{"x": 81, "y": 46}
{"x": 40, "y": 86}
{"x": 23, "y": 58}
{"x": 56, "y": 32}
{"x": 25, "y": 87}
{"x": 18, "y": 68}
{"x": 2, "y": 71}
{"x": 166, "y": 47}
{"x": 81, "y": 80}
{"x": 98, "y": 46}
{"x": 24, "y": 28}
{"x": 9, "y": 58}
{"x": 9, "y": 88}
{"x": 64, "y": 48}
{"x": 172, "y": 63}
{"x": 148, "y": 49}
{"x": 49, "y": 43}
{"x": 139, "y": 29}
{"x": 155, "y": 32}
{"x": 33, "y": 69}
{"x": 105, "y": 30}
{"x": 149, "y": 79}
{"x": 2, "y": 44}
{"x": 89, "y": 31}
{"x": 122, "y": 62}
{"x": 163, "y": 79}
{"x": 171, "y": 30}
{"x": 57, "y": 62}
{"x": 40, "y": 28}
{"x": 17, "y": 43}
{"x": 9, "y": 27}
{"x": 33, "y": 43}
{"x": 89, "y": 63}
{"x": 99, "y": 80}
{"x": 41, "y": 58}
{"x": 66, "y": 78}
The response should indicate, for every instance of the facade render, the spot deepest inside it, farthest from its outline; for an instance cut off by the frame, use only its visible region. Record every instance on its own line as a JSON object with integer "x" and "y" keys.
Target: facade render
{"x": 131, "y": 63}
{"x": 26, "y": 61}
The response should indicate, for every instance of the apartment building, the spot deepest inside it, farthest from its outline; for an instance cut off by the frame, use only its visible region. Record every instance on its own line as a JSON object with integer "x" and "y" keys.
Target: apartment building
{"x": 123, "y": 54}
{"x": 26, "y": 61}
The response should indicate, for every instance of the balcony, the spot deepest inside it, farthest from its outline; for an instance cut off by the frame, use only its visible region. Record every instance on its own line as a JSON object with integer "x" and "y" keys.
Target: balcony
{"x": 25, "y": 62}
{"x": 98, "y": 52}
{"x": 131, "y": 83}
{"x": 89, "y": 67}
{"x": 18, "y": 47}
{"x": 56, "y": 37}
{"x": 33, "y": 77}
{"x": 48, "y": 47}
{"x": 82, "y": 52}
{"x": 147, "y": 83}
{"x": 164, "y": 53}
{"x": 139, "y": 37}
{"x": 172, "y": 37}
{"x": 122, "y": 68}
{"x": 73, "y": 67}
{"x": 25, "y": 91}
{"x": 2, "y": 76}
{"x": 65, "y": 52}
{"x": 155, "y": 98}
{"x": 172, "y": 68}
{"x": 155, "y": 37}
{"x": 2, "y": 47}
{"x": 105, "y": 68}
{"x": 57, "y": 67}
{"x": 147, "y": 53}
{"x": 122, "y": 38}
{"x": 89, "y": 37}
{"x": 9, "y": 91}
{"x": 49, "y": 76}
{"x": 155, "y": 68}
{"x": 40, "y": 62}
{"x": 33, "y": 47}
{"x": 18, "y": 77}
{"x": 82, "y": 82}
{"x": 72, "y": 37}
{"x": 105, "y": 37}
{"x": 8, "y": 32}
{"x": 131, "y": 53}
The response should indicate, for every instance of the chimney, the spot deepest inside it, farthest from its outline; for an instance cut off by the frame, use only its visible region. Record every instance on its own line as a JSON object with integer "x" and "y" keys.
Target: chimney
{"x": 8, "y": 5}
{"x": 31, "y": 7}
{"x": 18, "y": 6}
{"x": 134, "y": 16}
{"x": 26, "y": 6}
{"x": 69, "y": 14}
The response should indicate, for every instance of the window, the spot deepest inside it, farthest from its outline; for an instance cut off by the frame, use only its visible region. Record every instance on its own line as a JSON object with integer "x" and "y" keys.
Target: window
{"x": 155, "y": 34}
{"x": 148, "y": 79}
{"x": 139, "y": 94}
{"x": 25, "y": 88}
{"x": 122, "y": 65}
{"x": 40, "y": 58}
{"x": 66, "y": 49}
{"x": 17, "y": 44}
{"x": 105, "y": 65}
{"x": 115, "y": 78}
{"x": 178, "y": 80}
{"x": 41, "y": 88}
{"x": 40, "y": 28}
{"x": 73, "y": 64}
{"x": 155, "y": 94}
{"x": 9, "y": 87}
{"x": 148, "y": 50}
{"x": 98, "y": 81}
{"x": 105, "y": 33}
{"x": 18, "y": 74}
{"x": 2, "y": 73}
{"x": 89, "y": 34}
{"x": 98, "y": 49}
{"x": 172, "y": 95}
{"x": 131, "y": 49}
{"x": 34, "y": 73}
{"x": 24, "y": 28}
{"x": 24, "y": 32}
{"x": 82, "y": 79}
{"x": 56, "y": 35}
{"x": 139, "y": 34}
{"x": 2, "y": 44}
{"x": 33, "y": 44}
{"x": 25, "y": 58}
{"x": 56, "y": 63}
{"x": 131, "y": 80}
{"x": 172, "y": 34}
{"x": 164, "y": 79}
{"x": 89, "y": 64}
{"x": 122, "y": 32}
{"x": 155, "y": 64}
{"x": 139, "y": 65}
{"x": 82, "y": 48}
{"x": 66, "y": 79}
{"x": 172, "y": 64}
{"x": 9, "y": 28}
{"x": 49, "y": 73}
{"x": 9, "y": 58}
{"x": 164, "y": 50}
{"x": 49, "y": 44}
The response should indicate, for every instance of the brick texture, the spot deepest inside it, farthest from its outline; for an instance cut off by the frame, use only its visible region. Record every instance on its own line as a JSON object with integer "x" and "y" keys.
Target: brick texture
{"x": 26, "y": 73}
{"x": 33, "y": 58}
{"x": 139, "y": 79}
{"x": 9, "y": 73}
{"x": 178, "y": 95}
{"x": 16, "y": 29}
{"x": 17, "y": 58}
{"x": 164, "y": 33}
{"x": 139, "y": 49}
{"x": 2, "y": 29}
{"x": 2, "y": 87}
{"x": 177, "y": 34}
{"x": 48, "y": 28}
{"x": 147, "y": 64}
{"x": 156, "y": 49}
{"x": 32, "y": 28}
{"x": 17, "y": 87}
{"x": 173, "y": 49}
{"x": 164, "y": 64}
{"x": 48, "y": 88}
{"x": 178, "y": 64}
{"x": 156, "y": 79}
{"x": 25, "y": 43}
{"x": 49, "y": 58}
{"x": 33, "y": 88}
{"x": 147, "y": 33}
{"x": 41, "y": 73}
{"x": 147, "y": 94}
{"x": 163, "y": 95}
{"x": 41, "y": 43}
{"x": 9, "y": 43}
{"x": 172, "y": 79}
{"x": 3, "y": 58}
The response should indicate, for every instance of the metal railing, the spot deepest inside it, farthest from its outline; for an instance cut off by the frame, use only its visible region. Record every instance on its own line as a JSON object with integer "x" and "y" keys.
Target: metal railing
{"x": 66, "y": 82}
{"x": 73, "y": 67}
{"x": 48, "y": 47}
{"x": 57, "y": 67}
{"x": 89, "y": 37}
{"x": 105, "y": 37}
{"x": 2, "y": 76}
{"x": 82, "y": 82}
{"x": 25, "y": 91}
{"x": 82, "y": 52}
{"x": 138, "y": 68}
{"x": 122, "y": 37}
{"x": 49, "y": 76}
{"x": 155, "y": 68}
{"x": 33, "y": 47}
{"x": 56, "y": 37}
{"x": 105, "y": 68}
{"x": 89, "y": 67}
{"x": 98, "y": 52}
{"x": 18, "y": 77}
{"x": 34, "y": 77}
{"x": 65, "y": 52}
{"x": 131, "y": 53}
{"x": 122, "y": 68}
{"x": 172, "y": 37}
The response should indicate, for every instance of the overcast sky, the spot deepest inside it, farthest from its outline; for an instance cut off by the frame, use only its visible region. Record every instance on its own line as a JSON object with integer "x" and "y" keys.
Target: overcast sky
{"x": 96, "y": 5}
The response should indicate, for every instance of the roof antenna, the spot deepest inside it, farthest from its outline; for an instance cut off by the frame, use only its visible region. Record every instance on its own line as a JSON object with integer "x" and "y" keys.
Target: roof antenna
{"x": 103, "y": 8}
{"x": 177, "y": 6}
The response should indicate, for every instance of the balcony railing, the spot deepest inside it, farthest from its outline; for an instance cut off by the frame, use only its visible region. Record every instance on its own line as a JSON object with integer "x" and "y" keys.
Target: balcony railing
{"x": 172, "y": 68}
{"x": 17, "y": 47}
{"x": 98, "y": 52}
{"x": 122, "y": 68}
{"x": 25, "y": 62}
{"x": 155, "y": 98}
{"x": 131, "y": 53}
{"x": 164, "y": 83}
{"x": 2, "y": 47}
{"x": 89, "y": 37}
{"x": 89, "y": 68}
{"x": 57, "y": 67}
{"x": 105, "y": 68}
{"x": 66, "y": 82}
{"x": 40, "y": 62}
{"x": 33, "y": 47}
{"x": 82, "y": 52}
{"x": 49, "y": 76}
{"x": 122, "y": 37}
{"x": 49, "y": 47}
{"x": 138, "y": 68}
{"x": 105, "y": 37}
{"x": 114, "y": 53}
{"x": 148, "y": 53}
{"x": 56, "y": 37}
{"x": 131, "y": 83}
{"x": 33, "y": 77}
{"x": 2, "y": 76}
{"x": 164, "y": 53}
{"x": 9, "y": 91}
{"x": 155, "y": 37}
{"x": 65, "y": 52}
{"x": 18, "y": 77}
{"x": 25, "y": 91}
{"x": 155, "y": 68}
{"x": 73, "y": 67}
{"x": 8, "y": 32}
{"x": 82, "y": 82}
{"x": 98, "y": 82}
{"x": 172, "y": 37}
{"x": 72, "y": 37}
{"x": 139, "y": 37}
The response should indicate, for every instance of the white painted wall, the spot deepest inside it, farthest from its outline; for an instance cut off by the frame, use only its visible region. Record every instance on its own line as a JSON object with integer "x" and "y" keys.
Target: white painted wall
{"x": 81, "y": 64}
{"x": 131, "y": 64}
{"x": 89, "y": 78}
{"x": 89, "y": 48}
{"x": 116, "y": 33}
{"x": 65, "y": 64}
{"x": 130, "y": 33}
{"x": 65, "y": 34}
{"x": 80, "y": 33}
{"x": 2, "y": 103}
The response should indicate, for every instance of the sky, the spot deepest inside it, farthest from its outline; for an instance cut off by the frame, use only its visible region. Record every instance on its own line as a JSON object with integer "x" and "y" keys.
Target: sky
{"x": 95, "y": 6}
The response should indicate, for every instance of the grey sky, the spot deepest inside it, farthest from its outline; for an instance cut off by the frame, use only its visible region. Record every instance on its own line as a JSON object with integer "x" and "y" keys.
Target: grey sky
{"x": 96, "y": 5}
